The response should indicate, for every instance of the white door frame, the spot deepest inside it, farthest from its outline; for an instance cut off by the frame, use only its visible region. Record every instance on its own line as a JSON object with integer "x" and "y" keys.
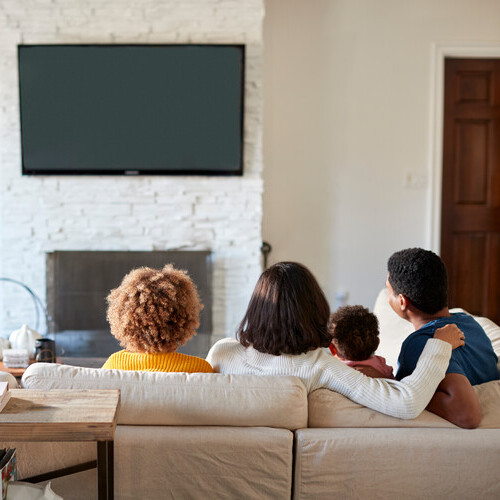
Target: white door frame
{"x": 439, "y": 52}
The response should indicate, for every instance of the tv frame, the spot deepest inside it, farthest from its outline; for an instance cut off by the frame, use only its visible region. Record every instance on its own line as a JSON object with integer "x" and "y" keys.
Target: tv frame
{"x": 126, "y": 172}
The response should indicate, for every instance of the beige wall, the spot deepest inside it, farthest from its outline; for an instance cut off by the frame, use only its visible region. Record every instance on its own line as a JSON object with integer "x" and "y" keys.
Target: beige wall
{"x": 350, "y": 109}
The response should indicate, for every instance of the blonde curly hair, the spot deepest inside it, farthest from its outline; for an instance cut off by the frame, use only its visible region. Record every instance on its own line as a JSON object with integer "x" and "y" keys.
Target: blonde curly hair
{"x": 154, "y": 310}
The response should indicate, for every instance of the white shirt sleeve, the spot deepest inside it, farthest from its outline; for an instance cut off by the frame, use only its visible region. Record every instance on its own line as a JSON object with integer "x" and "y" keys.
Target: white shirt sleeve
{"x": 406, "y": 398}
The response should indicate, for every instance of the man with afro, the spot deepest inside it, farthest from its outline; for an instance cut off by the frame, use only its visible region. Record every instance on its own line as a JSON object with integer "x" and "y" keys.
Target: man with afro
{"x": 417, "y": 287}
{"x": 152, "y": 313}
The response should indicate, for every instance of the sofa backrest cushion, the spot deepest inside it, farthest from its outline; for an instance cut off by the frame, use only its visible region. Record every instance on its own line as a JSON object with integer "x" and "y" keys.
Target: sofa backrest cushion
{"x": 393, "y": 330}
{"x": 492, "y": 330}
{"x": 157, "y": 398}
{"x": 489, "y": 398}
{"x": 330, "y": 409}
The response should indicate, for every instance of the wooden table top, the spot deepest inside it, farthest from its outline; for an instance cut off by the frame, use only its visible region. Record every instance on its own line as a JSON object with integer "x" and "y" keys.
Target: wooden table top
{"x": 60, "y": 415}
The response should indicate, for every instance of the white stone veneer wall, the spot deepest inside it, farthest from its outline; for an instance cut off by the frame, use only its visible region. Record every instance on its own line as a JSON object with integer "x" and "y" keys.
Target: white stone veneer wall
{"x": 45, "y": 213}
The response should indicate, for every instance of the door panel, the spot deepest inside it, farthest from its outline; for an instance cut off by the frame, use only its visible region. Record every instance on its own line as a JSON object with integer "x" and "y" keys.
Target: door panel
{"x": 470, "y": 222}
{"x": 472, "y": 137}
{"x": 468, "y": 271}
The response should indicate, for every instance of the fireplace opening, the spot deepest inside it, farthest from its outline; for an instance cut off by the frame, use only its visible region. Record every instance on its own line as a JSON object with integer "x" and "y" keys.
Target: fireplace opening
{"x": 79, "y": 281}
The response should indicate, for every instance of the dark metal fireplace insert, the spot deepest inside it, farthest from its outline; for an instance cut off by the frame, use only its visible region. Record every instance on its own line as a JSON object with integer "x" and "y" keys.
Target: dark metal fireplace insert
{"x": 79, "y": 281}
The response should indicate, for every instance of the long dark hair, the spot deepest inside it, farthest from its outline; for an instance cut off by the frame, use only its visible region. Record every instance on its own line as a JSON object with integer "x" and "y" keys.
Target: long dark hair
{"x": 287, "y": 314}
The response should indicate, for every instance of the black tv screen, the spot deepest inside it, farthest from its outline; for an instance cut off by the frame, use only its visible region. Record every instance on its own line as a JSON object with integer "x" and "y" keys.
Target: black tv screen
{"x": 131, "y": 109}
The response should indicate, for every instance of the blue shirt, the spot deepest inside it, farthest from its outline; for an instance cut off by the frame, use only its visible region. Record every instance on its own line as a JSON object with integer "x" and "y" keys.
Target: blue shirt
{"x": 476, "y": 359}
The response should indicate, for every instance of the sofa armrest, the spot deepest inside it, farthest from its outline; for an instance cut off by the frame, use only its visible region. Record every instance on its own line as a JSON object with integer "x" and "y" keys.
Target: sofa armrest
{"x": 10, "y": 379}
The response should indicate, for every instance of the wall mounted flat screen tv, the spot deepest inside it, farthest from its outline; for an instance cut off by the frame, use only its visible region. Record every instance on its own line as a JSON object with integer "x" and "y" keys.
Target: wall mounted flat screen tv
{"x": 132, "y": 109}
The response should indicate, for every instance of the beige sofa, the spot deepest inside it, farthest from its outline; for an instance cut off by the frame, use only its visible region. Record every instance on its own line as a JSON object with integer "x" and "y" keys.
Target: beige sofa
{"x": 227, "y": 436}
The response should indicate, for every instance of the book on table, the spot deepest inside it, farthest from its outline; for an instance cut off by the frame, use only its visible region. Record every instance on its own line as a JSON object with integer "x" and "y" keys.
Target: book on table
{"x": 4, "y": 394}
{"x": 8, "y": 469}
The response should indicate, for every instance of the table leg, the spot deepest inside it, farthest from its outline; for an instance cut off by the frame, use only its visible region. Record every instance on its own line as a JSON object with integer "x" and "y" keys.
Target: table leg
{"x": 105, "y": 470}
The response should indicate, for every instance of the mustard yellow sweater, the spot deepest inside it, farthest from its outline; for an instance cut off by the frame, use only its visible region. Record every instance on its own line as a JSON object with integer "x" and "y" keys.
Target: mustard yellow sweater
{"x": 161, "y": 362}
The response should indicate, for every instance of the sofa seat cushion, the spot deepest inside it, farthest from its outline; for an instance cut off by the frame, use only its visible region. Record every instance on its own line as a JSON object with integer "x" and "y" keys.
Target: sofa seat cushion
{"x": 330, "y": 409}
{"x": 175, "y": 462}
{"x": 392, "y": 464}
{"x": 156, "y": 398}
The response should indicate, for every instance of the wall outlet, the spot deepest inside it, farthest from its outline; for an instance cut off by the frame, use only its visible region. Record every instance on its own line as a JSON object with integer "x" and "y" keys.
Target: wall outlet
{"x": 415, "y": 180}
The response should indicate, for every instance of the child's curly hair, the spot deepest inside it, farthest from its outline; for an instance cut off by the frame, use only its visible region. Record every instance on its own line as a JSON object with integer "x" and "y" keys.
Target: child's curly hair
{"x": 354, "y": 331}
{"x": 154, "y": 310}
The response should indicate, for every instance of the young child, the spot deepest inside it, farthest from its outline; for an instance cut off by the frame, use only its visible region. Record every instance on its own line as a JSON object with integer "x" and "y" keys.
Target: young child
{"x": 354, "y": 331}
{"x": 152, "y": 313}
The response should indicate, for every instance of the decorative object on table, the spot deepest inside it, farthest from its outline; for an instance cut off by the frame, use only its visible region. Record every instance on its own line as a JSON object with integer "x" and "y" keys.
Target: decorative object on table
{"x": 24, "y": 338}
{"x": 4, "y": 344}
{"x": 16, "y": 358}
{"x": 45, "y": 350}
{"x": 19, "y": 490}
{"x": 8, "y": 469}
{"x": 4, "y": 394}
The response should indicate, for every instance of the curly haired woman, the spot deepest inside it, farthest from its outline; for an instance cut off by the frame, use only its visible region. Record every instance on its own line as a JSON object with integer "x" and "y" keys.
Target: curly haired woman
{"x": 152, "y": 313}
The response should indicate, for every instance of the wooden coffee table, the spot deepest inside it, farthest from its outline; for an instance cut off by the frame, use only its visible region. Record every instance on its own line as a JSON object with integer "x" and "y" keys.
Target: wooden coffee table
{"x": 66, "y": 415}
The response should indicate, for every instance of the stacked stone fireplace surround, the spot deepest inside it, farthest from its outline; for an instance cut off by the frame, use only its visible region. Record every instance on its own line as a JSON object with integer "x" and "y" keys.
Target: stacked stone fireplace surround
{"x": 43, "y": 214}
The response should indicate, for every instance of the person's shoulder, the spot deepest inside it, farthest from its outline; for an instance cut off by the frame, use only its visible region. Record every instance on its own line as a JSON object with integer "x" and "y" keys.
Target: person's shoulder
{"x": 119, "y": 354}
{"x": 470, "y": 326}
{"x": 417, "y": 338}
{"x": 199, "y": 365}
{"x": 113, "y": 359}
{"x": 412, "y": 347}
{"x": 227, "y": 343}
{"x": 223, "y": 346}
{"x": 381, "y": 360}
{"x": 381, "y": 365}
{"x": 182, "y": 355}
{"x": 463, "y": 318}
{"x": 224, "y": 354}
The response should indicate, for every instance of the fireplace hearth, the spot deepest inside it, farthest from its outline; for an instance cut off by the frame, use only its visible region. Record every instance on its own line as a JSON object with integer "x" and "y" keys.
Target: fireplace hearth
{"x": 79, "y": 281}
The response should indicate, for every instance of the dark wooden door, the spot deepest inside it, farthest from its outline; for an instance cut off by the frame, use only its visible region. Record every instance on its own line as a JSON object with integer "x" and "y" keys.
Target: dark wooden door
{"x": 470, "y": 223}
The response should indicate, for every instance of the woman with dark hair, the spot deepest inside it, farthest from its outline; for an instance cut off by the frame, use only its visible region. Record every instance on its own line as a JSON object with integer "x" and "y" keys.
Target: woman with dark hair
{"x": 285, "y": 329}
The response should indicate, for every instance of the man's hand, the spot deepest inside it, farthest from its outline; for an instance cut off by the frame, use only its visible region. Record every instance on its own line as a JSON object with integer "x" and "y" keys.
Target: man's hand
{"x": 456, "y": 401}
{"x": 451, "y": 334}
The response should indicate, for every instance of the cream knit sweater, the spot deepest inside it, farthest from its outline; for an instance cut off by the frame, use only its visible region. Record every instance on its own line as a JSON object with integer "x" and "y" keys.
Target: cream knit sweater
{"x": 317, "y": 369}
